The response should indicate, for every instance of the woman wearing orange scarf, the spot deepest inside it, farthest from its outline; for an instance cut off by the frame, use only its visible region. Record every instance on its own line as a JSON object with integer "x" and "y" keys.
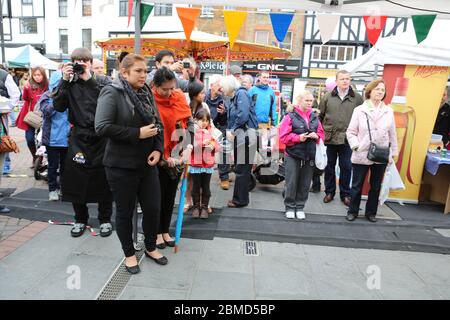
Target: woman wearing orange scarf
{"x": 178, "y": 133}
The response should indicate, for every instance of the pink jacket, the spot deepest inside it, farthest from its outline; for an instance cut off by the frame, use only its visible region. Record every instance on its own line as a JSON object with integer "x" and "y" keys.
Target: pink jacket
{"x": 382, "y": 129}
{"x": 289, "y": 138}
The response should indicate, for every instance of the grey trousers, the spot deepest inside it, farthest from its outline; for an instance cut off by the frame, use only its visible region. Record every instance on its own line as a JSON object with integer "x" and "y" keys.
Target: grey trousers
{"x": 298, "y": 180}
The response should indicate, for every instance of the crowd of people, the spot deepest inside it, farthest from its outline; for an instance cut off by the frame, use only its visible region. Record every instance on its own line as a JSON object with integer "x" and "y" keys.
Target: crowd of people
{"x": 130, "y": 138}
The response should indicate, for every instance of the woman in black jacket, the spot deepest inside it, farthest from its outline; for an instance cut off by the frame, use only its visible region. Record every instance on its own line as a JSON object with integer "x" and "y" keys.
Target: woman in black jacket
{"x": 128, "y": 117}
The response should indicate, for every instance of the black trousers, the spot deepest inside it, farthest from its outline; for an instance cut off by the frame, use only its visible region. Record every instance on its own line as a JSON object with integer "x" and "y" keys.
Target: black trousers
{"x": 82, "y": 212}
{"x": 126, "y": 185}
{"x": 168, "y": 194}
{"x": 359, "y": 175}
{"x": 56, "y": 158}
{"x": 200, "y": 190}
{"x": 245, "y": 147}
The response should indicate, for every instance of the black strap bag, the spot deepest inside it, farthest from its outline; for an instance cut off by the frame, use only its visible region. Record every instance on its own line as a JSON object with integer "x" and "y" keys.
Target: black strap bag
{"x": 376, "y": 153}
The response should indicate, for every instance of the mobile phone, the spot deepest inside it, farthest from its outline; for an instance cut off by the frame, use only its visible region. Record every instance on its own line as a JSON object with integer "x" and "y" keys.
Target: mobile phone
{"x": 186, "y": 64}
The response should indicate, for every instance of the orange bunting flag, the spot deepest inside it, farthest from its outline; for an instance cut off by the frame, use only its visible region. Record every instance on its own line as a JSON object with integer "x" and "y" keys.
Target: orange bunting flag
{"x": 233, "y": 22}
{"x": 188, "y": 17}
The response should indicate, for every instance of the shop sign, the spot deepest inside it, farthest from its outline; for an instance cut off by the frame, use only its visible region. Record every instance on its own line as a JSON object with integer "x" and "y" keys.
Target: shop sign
{"x": 281, "y": 68}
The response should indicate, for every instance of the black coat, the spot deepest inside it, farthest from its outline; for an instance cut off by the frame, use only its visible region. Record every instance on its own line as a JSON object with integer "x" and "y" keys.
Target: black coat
{"x": 84, "y": 178}
{"x": 442, "y": 125}
{"x": 118, "y": 120}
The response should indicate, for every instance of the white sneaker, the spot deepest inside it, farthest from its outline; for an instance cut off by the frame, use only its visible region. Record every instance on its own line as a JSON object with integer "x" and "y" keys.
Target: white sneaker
{"x": 290, "y": 214}
{"x": 53, "y": 196}
{"x": 300, "y": 215}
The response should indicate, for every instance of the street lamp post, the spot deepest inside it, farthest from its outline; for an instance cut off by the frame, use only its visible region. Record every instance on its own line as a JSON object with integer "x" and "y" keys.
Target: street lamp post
{"x": 2, "y": 37}
{"x": 137, "y": 27}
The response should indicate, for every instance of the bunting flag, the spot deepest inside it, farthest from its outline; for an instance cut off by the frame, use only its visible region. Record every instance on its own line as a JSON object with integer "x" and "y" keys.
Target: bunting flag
{"x": 130, "y": 10}
{"x": 280, "y": 24}
{"x": 327, "y": 25}
{"x": 188, "y": 17}
{"x": 422, "y": 25}
{"x": 374, "y": 27}
{"x": 145, "y": 11}
{"x": 233, "y": 22}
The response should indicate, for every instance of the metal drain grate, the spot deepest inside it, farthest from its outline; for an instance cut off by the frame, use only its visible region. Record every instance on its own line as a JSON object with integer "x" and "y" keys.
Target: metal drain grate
{"x": 251, "y": 248}
{"x": 114, "y": 287}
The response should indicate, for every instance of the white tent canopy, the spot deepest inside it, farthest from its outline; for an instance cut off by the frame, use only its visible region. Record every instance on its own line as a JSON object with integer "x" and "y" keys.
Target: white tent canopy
{"x": 403, "y": 49}
{"x": 347, "y": 7}
{"x": 29, "y": 57}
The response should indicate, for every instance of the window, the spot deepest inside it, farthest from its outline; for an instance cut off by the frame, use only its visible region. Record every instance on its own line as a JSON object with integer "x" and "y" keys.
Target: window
{"x": 123, "y": 8}
{"x": 262, "y": 10}
{"x": 333, "y": 53}
{"x": 86, "y": 38}
{"x": 87, "y": 8}
{"x": 287, "y": 43}
{"x": 28, "y": 25}
{"x": 163, "y": 9}
{"x": 207, "y": 12}
{"x": 262, "y": 37}
{"x": 26, "y": 2}
{"x": 62, "y": 8}
{"x": 229, "y": 7}
{"x": 224, "y": 34}
{"x": 63, "y": 41}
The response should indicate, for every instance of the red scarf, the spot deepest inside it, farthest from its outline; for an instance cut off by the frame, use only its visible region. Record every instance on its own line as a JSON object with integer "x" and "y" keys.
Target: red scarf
{"x": 172, "y": 109}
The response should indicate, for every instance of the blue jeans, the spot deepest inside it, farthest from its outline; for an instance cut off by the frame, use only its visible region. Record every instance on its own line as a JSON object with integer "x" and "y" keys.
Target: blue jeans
{"x": 56, "y": 158}
{"x": 344, "y": 153}
{"x": 7, "y": 165}
{"x": 29, "y": 136}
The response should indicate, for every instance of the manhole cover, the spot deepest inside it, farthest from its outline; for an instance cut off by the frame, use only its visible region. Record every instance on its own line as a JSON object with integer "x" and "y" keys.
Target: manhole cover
{"x": 251, "y": 248}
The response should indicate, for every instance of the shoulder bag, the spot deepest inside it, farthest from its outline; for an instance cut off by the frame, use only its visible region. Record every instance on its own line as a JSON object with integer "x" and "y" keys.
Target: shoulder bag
{"x": 34, "y": 118}
{"x": 377, "y": 153}
{"x": 7, "y": 144}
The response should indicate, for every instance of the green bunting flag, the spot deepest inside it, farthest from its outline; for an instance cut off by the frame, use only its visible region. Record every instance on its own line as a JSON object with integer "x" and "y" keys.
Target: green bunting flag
{"x": 146, "y": 10}
{"x": 422, "y": 25}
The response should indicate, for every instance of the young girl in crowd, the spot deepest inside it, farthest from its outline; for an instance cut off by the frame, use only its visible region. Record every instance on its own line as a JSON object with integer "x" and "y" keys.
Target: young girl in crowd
{"x": 202, "y": 163}
{"x": 32, "y": 92}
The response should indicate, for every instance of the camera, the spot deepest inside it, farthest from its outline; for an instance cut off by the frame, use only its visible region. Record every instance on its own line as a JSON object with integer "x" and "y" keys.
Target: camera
{"x": 186, "y": 64}
{"x": 78, "y": 68}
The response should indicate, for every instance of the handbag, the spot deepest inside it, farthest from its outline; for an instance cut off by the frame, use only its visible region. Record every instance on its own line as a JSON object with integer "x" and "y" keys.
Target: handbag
{"x": 321, "y": 155}
{"x": 7, "y": 144}
{"x": 33, "y": 119}
{"x": 377, "y": 153}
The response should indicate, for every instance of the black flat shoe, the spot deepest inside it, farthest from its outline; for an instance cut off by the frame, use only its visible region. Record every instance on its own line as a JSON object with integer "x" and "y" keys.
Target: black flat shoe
{"x": 170, "y": 243}
{"x": 350, "y": 217}
{"x": 371, "y": 218}
{"x": 161, "y": 245}
{"x": 162, "y": 261}
{"x": 134, "y": 269}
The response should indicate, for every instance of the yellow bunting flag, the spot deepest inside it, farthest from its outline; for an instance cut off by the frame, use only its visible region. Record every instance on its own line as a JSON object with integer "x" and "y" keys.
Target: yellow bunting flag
{"x": 233, "y": 22}
{"x": 188, "y": 17}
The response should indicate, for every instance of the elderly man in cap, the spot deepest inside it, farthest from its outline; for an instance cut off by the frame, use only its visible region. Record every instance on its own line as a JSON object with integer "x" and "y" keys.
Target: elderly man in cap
{"x": 236, "y": 71}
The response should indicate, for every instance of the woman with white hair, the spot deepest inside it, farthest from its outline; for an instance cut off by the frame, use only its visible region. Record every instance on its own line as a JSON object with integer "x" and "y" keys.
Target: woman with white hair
{"x": 242, "y": 125}
{"x": 300, "y": 131}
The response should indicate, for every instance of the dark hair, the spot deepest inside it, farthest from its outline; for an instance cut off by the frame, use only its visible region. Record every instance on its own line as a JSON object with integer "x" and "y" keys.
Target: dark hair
{"x": 372, "y": 85}
{"x": 130, "y": 59}
{"x": 44, "y": 83}
{"x": 82, "y": 54}
{"x": 163, "y": 75}
{"x": 202, "y": 113}
{"x": 163, "y": 53}
{"x": 194, "y": 89}
{"x": 122, "y": 55}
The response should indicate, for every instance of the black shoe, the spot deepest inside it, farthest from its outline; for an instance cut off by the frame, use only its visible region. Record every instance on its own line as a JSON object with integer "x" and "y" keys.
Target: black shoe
{"x": 170, "y": 243}
{"x": 371, "y": 218}
{"x": 161, "y": 245}
{"x": 162, "y": 261}
{"x": 350, "y": 217}
{"x": 106, "y": 229}
{"x": 313, "y": 190}
{"x": 134, "y": 269}
{"x": 78, "y": 229}
{"x": 4, "y": 209}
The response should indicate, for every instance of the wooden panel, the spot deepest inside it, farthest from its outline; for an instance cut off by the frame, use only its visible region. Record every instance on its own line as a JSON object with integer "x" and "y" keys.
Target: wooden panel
{"x": 440, "y": 186}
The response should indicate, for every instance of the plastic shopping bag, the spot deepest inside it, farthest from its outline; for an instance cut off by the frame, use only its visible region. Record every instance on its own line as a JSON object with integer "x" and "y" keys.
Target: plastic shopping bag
{"x": 391, "y": 181}
{"x": 321, "y": 155}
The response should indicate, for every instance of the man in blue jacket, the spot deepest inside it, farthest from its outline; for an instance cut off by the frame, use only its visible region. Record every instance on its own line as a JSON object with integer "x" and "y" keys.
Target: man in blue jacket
{"x": 266, "y": 108}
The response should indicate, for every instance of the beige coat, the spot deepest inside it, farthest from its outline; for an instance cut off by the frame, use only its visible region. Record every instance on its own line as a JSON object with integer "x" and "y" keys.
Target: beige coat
{"x": 382, "y": 129}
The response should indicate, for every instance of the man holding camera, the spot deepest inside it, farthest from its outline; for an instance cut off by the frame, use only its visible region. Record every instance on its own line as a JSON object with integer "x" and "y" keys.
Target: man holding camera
{"x": 84, "y": 179}
{"x": 165, "y": 58}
